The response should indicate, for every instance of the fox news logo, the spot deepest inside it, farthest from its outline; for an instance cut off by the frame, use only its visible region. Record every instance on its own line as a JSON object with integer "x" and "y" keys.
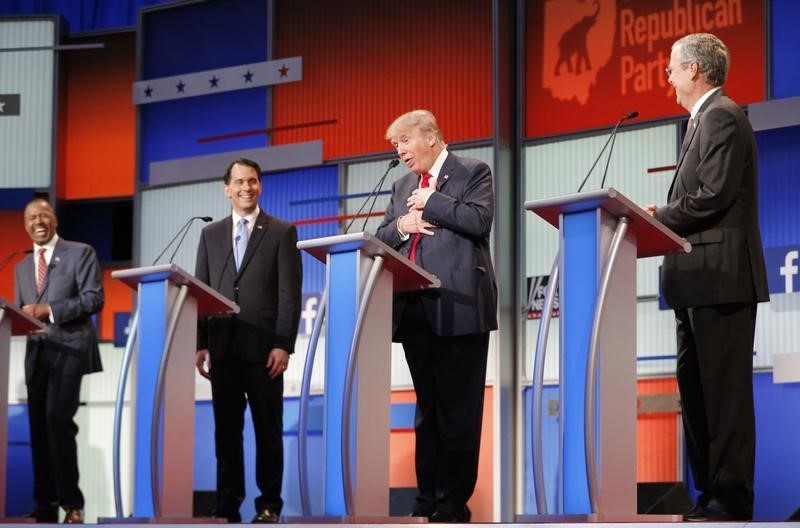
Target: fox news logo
{"x": 783, "y": 268}
{"x": 537, "y": 287}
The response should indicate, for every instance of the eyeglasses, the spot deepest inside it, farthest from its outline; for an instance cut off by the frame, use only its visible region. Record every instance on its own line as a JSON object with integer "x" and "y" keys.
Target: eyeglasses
{"x": 669, "y": 71}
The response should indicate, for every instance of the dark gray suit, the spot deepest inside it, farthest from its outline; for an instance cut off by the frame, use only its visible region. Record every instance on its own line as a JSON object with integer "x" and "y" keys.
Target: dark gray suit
{"x": 445, "y": 331}
{"x": 713, "y": 202}
{"x": 267, "y": 290}
{"x": 55, "y": 362}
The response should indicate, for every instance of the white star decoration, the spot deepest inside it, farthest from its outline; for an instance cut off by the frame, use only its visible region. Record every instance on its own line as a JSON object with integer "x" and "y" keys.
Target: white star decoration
{"x": 220, "y": 80}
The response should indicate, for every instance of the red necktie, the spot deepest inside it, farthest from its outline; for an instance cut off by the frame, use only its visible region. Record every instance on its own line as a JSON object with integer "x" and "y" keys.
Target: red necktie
{"x": 412, "y": 255}
{"x": 41, "y": 272}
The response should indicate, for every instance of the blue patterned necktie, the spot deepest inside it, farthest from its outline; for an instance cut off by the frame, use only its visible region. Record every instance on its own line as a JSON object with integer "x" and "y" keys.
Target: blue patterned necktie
{"x": 240, "y": 241}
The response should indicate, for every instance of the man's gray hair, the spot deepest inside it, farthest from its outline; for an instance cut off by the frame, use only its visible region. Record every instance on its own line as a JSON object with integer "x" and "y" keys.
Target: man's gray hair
{"x": 710, "y": 53}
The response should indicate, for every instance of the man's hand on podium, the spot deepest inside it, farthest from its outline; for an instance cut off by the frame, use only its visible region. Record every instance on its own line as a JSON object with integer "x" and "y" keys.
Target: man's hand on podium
{"x": 650, "y": 208}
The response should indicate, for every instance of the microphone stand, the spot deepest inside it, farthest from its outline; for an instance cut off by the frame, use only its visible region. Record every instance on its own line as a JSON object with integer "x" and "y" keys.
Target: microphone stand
{"x": 372, "y": 194}
{"x": 180, "y": 231}
{"x": 611, "y": 136}
{"x": 10, "y": 257}
{"x": 629, "y": 115}
{"x": 186, "y": 232}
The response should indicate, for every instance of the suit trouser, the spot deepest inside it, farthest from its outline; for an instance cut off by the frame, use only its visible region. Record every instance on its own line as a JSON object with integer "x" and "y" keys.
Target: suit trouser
{"x": 53, "y": 400}
{"x": 715, "y": 378}
{"x": 449, "y": 375}
{"x": 233, "y": 385}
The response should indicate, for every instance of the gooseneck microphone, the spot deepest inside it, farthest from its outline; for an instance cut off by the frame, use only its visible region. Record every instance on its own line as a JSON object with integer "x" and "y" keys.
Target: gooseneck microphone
{"x": 182, "y": 231}
{"x": 6, "y": 261}
{"x": 629, "y": 115}
{"x": 373, "y": 194}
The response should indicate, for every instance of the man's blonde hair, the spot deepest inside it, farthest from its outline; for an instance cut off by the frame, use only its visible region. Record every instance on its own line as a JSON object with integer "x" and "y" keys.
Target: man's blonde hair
{"x": 422, "y": 120}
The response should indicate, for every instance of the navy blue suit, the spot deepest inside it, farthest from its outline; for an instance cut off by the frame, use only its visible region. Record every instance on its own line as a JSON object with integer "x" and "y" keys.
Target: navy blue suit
{"x": 445, "y": 331}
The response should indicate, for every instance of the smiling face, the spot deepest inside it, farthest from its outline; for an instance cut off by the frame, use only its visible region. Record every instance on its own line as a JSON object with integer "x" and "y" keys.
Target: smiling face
{"x": 40, "y": 221}
{"x": 243, "y": 189}
{"x": 416, "y": 149}
{"x": 682, "y": 77}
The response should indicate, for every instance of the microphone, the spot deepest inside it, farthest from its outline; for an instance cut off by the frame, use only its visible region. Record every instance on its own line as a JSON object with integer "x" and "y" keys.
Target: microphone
{"x": 10, "y": 257}
{"x": 183, "y": 230}
{"x": 373, "y": 194}
{"x": 629, "y": 115}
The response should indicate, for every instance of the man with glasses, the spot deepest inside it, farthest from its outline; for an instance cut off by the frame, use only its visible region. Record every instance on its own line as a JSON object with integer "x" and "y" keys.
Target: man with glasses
{"x": 714, "y": 290}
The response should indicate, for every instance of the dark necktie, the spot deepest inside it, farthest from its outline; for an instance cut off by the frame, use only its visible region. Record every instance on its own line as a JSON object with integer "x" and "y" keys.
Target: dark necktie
{"x": 41, "y": 272}
{"x": 688, "y": 133}
{"x": 412, "y": 254}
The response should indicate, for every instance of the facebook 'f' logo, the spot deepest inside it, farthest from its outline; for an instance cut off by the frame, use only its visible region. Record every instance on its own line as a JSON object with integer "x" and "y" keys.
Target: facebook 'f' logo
{"x": 789, "y": 270}
{"x": 783, "y": 268}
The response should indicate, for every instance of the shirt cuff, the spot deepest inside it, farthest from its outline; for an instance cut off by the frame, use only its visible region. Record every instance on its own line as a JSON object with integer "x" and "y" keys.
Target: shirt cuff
{"x": 403, "y": 236}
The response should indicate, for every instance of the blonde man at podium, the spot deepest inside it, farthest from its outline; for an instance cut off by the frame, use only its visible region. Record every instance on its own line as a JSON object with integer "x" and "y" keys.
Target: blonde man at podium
{"x": 714, "y": 290}
{"x": 440, "y": 216}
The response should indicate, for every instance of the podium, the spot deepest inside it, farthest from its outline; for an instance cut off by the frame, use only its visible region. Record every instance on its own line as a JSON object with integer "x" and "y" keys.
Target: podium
{"x": 362, "y": 273}
{"x": 170, "y": 301}
{"x": 601, "y": 235}
{"x": 13, "y": 322}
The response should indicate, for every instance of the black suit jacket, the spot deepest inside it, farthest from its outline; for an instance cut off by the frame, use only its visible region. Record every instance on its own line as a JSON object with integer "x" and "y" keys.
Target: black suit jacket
{"x": 266, "y": 288}
{"x": 74, "y": 290}
{"x": 458, "y": 253}
{"x": 713, "y": 203}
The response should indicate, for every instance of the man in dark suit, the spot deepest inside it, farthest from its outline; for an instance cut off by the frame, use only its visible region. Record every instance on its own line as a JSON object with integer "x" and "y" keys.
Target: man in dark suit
{"x": 714, "y": 290}
{"x": 60, "y": 284}
{"x": 440, "y": 216}
{"x": 252, "y": 258}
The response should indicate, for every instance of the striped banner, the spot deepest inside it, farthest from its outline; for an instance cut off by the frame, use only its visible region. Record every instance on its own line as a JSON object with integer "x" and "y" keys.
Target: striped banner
{"x": 218, "y": 80}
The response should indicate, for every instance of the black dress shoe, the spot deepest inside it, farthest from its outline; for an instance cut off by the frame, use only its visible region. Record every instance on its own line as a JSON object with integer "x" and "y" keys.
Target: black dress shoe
{"x": 714, "y": 510}
{"x": 443, "y": 516}
{"x": 74, "y": 516}
{"x": 232, "y": 517}
{"x": 44, "y": 514}
{"x": 265, "y": 516}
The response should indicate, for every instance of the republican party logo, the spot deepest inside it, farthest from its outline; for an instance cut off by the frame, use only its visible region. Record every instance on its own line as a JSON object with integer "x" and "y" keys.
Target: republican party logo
{"x": 578, "y": 41}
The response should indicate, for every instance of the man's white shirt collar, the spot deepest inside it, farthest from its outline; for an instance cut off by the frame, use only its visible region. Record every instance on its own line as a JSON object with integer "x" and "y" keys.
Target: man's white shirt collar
{"x": 251, "y": 219}
{"x": 699, "y": 103}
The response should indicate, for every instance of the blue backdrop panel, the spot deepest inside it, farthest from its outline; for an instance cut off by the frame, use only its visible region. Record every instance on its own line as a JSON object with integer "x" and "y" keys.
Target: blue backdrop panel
{"x": 285, "y": 195}
{"x": 779, "y": 187}
{"x": 82, "y": 15}
{"x": 785, "y": 46}
{"x": 196, "y": 37}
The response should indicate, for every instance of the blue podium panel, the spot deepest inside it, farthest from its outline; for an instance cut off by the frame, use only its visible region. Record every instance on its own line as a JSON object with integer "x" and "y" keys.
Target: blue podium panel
{"x": 578, "y": 288}
{"x": 152, "y": 333}
{"x": 342, "y": 306}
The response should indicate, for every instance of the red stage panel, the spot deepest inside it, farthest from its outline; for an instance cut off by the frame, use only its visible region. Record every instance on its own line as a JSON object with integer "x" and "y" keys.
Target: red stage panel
{"x": 12, "y": 238}
{"x": 589, "y": 62}
{"x": 97, "y": 122}
{"x": 366, "y": 62}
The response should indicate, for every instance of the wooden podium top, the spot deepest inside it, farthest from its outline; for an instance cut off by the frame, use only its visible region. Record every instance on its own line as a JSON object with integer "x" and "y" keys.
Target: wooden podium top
{"x": 209, "y": 301}
{"x": 652, "y": 237}
{"x": 407, "y": 275}
{"x": 21, "y": 323}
